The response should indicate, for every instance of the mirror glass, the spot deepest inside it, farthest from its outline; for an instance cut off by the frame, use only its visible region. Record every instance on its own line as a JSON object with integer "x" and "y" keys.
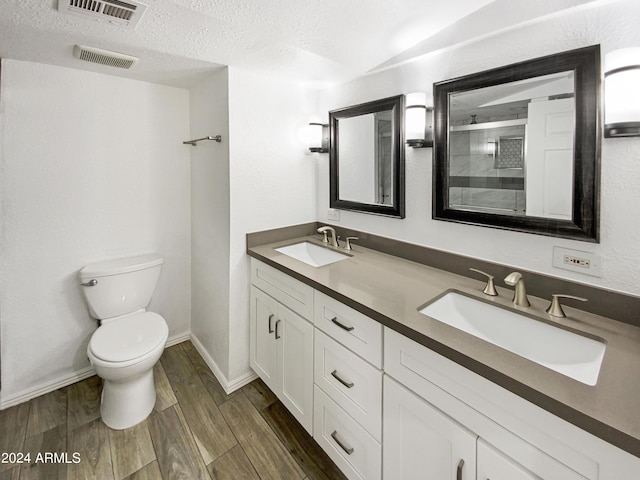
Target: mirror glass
{"x": 511, "y": 148}
{"x": 515, "y": 150}
{"x": 366, "y": 169}
{"x": 367, "y": 157}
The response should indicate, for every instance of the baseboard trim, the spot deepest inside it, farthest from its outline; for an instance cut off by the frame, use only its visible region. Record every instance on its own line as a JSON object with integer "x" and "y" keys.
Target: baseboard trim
{"x": 229, "y": 386}
{"x": 66, "y": 380}
{"x": 183, "y": 337}
{"x": 44, "y": 388}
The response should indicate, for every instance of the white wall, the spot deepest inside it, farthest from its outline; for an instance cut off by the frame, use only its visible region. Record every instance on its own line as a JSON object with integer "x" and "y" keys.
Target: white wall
{"x": 210, "y": 220}
{"x": 271, "y": 180}
{"x": 92, "y": 168}
{"x": 610, "y": 24}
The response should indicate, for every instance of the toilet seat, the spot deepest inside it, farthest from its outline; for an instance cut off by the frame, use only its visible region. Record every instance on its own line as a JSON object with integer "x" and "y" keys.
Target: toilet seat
{"x": 129, "y": 340}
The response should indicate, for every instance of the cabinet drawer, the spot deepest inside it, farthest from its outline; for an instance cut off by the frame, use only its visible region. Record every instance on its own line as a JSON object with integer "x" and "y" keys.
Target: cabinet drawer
{"x": 350, "y": 381}
{"x": 287, "y": 290}
{"x": 351, "y": 328}
{"x": 356, "y": 453}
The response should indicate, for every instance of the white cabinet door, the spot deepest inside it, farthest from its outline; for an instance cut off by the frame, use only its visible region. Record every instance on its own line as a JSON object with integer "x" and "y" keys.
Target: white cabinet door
{"x": 263, "y": 353}
{"x": 419, "y": 441}
{"x": 294, "y": 336}
{"x": 281, "y": 353}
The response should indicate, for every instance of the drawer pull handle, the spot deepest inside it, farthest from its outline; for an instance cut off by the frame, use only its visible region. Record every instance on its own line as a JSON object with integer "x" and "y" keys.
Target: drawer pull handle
{"x": 270, "y": 327}
{"x": 344, "y": 327}
{"x": 277, "y": 334}
{"x": 335, "y": 375}
{"x": 459, "y": 471}
{"x": 348, "y": 450}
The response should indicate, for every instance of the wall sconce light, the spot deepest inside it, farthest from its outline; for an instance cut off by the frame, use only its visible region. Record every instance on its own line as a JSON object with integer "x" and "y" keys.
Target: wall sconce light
{"x": 492, "y": 147}
{"x": 622, "y": 93}
{"x": 318, "y": 137}
{"x": 418, "y": 121}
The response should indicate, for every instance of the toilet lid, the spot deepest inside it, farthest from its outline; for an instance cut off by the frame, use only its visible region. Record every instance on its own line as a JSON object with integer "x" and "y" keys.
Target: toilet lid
{"x": 129, "y": 338}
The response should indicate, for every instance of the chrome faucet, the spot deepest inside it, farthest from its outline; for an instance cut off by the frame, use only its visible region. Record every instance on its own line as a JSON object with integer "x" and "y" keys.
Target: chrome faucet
{"x": 520, "y": 292}
{"x": 324, "y": 230}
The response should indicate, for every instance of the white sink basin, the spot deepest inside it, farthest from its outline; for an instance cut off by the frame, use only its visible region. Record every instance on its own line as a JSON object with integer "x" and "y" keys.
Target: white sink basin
{"x": 568, "y": 353}
{"x": 312, "y": 254}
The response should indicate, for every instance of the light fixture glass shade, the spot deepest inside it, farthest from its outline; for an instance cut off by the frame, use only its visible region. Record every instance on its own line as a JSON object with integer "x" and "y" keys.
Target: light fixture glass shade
{"x": 318, "y": 137}
{"x": 622, "y": 93}
{"x": 416, "y": 132}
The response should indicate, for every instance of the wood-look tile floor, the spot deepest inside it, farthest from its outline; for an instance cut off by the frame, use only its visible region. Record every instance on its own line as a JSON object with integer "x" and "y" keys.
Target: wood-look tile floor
{"x": 196, "y": 431}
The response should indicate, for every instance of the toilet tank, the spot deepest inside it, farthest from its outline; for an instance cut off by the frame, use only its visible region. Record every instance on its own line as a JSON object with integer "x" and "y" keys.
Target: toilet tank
{"x": 121, "y": 286}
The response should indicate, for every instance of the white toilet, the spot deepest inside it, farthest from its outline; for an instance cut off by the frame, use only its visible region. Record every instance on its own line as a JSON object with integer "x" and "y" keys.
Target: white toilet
{"x": 130, "y": 340}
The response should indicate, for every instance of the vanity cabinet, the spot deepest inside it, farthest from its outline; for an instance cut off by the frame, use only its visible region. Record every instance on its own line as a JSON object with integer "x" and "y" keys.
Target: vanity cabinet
{"x": 418, "y": 409}
{"x": 281, "y": 344}
{"x": 330, "y": 366}
{"x": 327, "y": 373}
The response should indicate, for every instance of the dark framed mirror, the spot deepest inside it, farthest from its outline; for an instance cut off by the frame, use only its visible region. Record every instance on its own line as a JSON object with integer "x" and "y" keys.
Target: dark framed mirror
{"x": 366, "y": 157}
{"x": 518, "y": 147}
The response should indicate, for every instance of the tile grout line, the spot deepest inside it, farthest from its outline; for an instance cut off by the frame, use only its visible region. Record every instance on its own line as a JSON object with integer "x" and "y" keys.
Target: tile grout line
{"x": 199, "y": 378}
{"x": 18, "y": 468}
{"x": 234, "y": 434}
{"x": 112, "y": 450}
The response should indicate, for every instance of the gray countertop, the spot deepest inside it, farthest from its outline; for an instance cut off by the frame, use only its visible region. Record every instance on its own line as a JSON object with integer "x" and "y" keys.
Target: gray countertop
{"x": 390, "y": 289}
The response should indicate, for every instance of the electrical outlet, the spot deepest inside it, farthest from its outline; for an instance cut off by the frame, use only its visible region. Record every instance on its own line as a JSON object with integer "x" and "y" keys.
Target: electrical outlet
{"x": 333, "y": 214}
{"x": 577, "y": 261}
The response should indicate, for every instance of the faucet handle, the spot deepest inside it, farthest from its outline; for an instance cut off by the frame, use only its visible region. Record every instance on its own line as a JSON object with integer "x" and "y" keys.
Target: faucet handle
{"x": 347, "y": 245}
{"x": 555, "y": 309}
{"x": 490, "y": 288}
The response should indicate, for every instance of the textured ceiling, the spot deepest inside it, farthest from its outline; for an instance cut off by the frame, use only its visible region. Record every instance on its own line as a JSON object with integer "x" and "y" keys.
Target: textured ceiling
{"x": 181, "y": 41}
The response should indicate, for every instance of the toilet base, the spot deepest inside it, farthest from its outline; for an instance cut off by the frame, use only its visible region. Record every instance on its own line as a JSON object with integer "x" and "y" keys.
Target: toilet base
{"x": 127, "y": 402}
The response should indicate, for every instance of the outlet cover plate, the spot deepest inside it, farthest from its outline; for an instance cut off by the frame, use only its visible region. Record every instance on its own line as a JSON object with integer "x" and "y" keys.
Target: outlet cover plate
{"x": 333, "y": 214}
{"x": 578, "y": 261}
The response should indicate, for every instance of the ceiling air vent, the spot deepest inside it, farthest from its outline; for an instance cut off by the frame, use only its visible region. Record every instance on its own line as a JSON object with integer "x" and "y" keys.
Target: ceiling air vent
{"x": 104, "y": 57}
{"x": 118, "y": 12}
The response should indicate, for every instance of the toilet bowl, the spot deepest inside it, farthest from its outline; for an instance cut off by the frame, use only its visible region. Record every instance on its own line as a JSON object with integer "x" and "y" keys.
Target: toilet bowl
{"x": 130, "y": 340}
{"x": 123, "y": 354}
